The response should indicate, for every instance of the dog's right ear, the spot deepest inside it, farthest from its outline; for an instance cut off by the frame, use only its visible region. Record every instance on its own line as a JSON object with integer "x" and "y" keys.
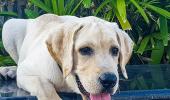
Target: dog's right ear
{"x": 54, "y": 45}
{"x": 60, "y": 45}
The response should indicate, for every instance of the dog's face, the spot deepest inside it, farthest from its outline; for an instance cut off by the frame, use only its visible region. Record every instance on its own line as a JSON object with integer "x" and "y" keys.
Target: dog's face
{"x": 96, "y": 55}
{"x": 91, "y": 51}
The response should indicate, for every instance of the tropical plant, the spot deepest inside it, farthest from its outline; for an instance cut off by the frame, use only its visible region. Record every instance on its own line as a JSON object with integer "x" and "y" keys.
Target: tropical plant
{"x": 59, "y": 7}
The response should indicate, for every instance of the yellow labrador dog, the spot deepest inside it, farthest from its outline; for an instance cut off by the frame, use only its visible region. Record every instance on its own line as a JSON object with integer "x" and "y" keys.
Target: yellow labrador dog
{"x": 67, "y": 54}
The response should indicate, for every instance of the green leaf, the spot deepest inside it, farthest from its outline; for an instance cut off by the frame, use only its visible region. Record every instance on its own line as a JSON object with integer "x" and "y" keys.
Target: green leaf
{"x": 157, "y": 54}
{"x": 143, "y": 45}
{"x": 158, "y": 10}
{"x": 5, "y": 13}
{"x": 104, "y": 3}
{"x": 168, "y": 6}
{"x": 158, "y": 36}
{"x": 48, "y": 3}
{"x": 87, "y": 3}
{"x": 61, "y": 7}
{"x": 41, "y": 5}
{"x": 121, "y": 8}
{"x": 152, "y": 42}
{"x": 75, "y": 9}
{"x": 31, "y": 14}
{"x": 6, "y": 60}
{"x": 68, "y": 7}
{"x": 164, "y": 29}
{"x": 108, "y": 16}
{"x": 141, "y": 11}
{"x": 55, "y": 6}
{"x": 125, "y": 25}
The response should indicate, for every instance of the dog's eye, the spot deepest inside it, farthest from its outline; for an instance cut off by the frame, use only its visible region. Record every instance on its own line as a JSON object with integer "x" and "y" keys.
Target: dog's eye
{"x": 86, "y": 51}
{"x": 114, "y": 51}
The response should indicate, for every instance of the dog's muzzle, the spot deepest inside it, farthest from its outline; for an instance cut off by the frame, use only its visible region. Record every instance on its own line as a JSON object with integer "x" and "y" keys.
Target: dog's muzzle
{"x": 107, "y": 80}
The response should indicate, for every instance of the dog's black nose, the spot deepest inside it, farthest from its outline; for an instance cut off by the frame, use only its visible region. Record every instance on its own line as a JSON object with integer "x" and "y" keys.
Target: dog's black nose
{"x": 108, "y": 80}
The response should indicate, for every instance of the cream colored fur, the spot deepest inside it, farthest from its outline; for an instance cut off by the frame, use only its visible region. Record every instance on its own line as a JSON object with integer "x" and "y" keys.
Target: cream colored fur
{"x": 39, "y": 45}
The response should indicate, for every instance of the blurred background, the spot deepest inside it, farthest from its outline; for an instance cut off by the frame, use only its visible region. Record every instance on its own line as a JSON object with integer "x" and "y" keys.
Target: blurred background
{"x": 146, "y": 21}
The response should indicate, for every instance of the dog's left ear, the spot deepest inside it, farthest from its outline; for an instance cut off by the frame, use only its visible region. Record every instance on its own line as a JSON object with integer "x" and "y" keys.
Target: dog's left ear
{"x": 126, "y": 48}
{"x": 60, "y": 45}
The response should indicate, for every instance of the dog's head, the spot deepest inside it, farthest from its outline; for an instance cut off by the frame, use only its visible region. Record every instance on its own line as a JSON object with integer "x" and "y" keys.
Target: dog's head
{"x": 91, "y": 50}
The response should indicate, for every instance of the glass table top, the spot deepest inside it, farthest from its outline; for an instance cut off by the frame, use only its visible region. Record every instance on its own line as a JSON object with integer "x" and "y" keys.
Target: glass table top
{"x": 145, "y": 81}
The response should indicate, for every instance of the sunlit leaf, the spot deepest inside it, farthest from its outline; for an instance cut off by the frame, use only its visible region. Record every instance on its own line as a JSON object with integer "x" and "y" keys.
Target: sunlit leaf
{"x": 87, "y": 3}
{"x": 123, "y": 22}
{"x": 125, "y": 25}
{"x": 121, "y": 8}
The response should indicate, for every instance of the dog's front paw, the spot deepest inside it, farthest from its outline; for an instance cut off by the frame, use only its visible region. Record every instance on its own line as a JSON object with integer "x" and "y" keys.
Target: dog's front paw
{"x": 8, "y": 72}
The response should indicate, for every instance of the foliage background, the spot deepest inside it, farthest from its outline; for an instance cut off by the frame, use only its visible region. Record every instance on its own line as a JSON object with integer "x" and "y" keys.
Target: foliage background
{"x": 146, "y": 21}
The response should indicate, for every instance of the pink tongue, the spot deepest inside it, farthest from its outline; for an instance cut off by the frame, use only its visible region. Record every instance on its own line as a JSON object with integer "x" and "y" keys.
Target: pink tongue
{"x": 102, "y": 96}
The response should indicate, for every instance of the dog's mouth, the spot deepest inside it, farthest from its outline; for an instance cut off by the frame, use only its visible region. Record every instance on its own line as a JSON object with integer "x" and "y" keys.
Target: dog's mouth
{"x": 100, "y": 96}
